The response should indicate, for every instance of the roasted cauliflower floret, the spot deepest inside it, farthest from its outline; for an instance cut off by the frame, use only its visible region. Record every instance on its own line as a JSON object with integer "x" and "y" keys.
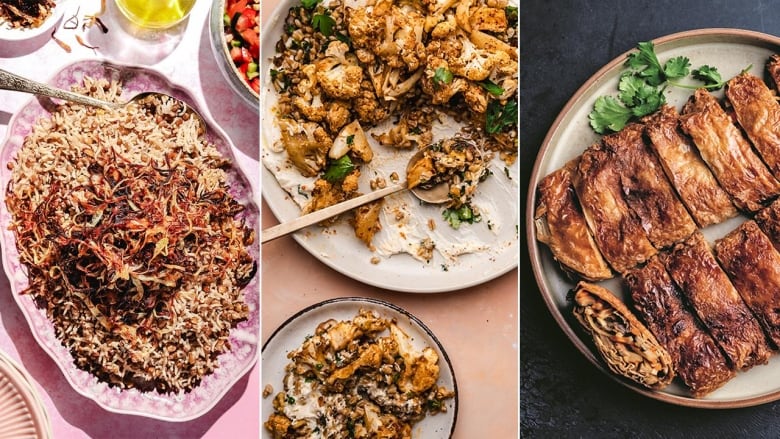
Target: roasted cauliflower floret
{"x": 366, "y": 221}
{"x": 307, "y": 98}
{"x": 278, "y": 425}
{"x": 327, "y": 194}
{"x": 339, "y": 74}
{"x": 368, "y": 108}
{"x": 338, "y": 115}
{"x": 307, "y": 145}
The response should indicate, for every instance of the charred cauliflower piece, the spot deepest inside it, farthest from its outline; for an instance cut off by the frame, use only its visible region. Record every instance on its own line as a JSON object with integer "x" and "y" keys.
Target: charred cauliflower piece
{"x": 352, "y": 139}
{"x": 307, "y": 98}
{"x": 307, "y": 145}
{"x": 366, "y": 221}
{"x": 338, "y": 73}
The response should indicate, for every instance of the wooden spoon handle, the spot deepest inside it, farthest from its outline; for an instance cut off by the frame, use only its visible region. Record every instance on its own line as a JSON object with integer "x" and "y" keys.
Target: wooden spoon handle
{"x": 328, "y": 212}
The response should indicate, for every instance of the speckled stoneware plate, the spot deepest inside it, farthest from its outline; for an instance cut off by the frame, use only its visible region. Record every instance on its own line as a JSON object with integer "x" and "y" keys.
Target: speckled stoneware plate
{"x": 291, "y": 334}
{"x": 8, "y": 33}
{"x": 731, "y": 51}
{"x": 243, "y": 339}
{"x": 493, "y": 242}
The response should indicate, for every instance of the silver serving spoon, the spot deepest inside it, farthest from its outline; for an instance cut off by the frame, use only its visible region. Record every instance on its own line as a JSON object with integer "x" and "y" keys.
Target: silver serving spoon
{"x": 436, "y": 194}
{"x": 14, "y": 82}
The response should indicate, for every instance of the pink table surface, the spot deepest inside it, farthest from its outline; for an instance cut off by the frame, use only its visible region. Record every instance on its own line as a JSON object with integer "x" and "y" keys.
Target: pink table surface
{"x": 187, "y": 59}
{"x": 477, "y": 326}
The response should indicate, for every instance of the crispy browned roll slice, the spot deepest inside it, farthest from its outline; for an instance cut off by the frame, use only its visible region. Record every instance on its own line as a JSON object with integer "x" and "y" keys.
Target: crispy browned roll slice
{"x": 697, "y": 359}
{"x": 625, "y": 344}
{"x": 768, "y": 219}
{"x": 646, "y": 189}
{"x": 706, "y": 201}
{"x": 561, "y": 225}
{"x": 616, "y": 229}
{"x": 758, "y": 113}
{"x": 717, "y": 303}
{"x": 773, "y": 67}
{"x": 727, "y": 153}
{"x": 749, "y": 258}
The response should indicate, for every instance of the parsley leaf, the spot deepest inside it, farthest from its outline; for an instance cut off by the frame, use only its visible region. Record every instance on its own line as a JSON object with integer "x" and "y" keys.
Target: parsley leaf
{"x": 463, "y": 214}
{"x": 338, "y": 169}
{"x": 608, "y": 114}
{"x": 442, "y": 76}
{"x": 678, "y": 67}
{"x": 707, "y": 74}
{"x": 641, "y": 87}
{"x": 498, "y": 117}
{"x": 492, "y": 87}
{"x": 323, "y": 23}
{"x": 646, "y": 63}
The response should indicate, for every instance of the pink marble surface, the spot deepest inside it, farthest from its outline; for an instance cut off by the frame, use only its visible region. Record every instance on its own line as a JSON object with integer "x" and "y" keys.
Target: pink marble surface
{"x": 185, "y": 56}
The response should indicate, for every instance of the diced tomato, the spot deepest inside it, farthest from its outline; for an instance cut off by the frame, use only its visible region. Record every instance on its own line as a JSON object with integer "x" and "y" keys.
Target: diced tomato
{"x": 253, "y": 40}
{"x": 246, "y": 20}
{"x": 235, "y": 7}
{"x": 237, "y": 54}
{"x": 255, "y": 84}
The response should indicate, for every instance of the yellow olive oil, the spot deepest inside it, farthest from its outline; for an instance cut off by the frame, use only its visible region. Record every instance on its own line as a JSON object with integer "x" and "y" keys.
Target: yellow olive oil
{"x": 155, "y": 14}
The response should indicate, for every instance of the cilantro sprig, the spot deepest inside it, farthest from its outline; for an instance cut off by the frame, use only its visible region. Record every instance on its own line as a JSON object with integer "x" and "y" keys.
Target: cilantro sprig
{"x": 641, "y": 87}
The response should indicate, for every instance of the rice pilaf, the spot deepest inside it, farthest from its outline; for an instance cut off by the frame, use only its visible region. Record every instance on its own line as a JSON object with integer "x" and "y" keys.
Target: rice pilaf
{"x": 131, "y": 241}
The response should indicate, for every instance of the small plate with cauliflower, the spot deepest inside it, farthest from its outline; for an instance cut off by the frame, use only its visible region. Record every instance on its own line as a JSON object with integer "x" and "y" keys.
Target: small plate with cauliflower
{"x": 352, "y": 91}
{"x": 356, "y": 367}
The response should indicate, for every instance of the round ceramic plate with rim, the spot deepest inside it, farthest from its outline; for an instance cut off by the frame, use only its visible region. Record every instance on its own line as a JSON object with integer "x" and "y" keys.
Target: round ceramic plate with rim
{"x": 494, "y": 241}
{"x": 8, "y": 33}
{"x": 243, "y": 339}
{"x": 731, "y": 51}
{"x": 22, "y": 414}
{"x": 291, "y": 334}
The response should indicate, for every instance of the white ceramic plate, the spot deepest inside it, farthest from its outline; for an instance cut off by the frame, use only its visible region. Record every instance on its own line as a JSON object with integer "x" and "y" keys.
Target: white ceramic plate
{"x": 338, "y": 247}
{"x": 22, "y": 415}
{"x": 293, "y": 331}
{"x": 730, "y": 51}
{"x": 7, "y": 33}
{"x": 243, "y": 339}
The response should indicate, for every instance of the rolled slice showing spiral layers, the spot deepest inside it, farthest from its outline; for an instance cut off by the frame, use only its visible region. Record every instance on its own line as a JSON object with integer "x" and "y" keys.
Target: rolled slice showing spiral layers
{"x": 627, "y": 347}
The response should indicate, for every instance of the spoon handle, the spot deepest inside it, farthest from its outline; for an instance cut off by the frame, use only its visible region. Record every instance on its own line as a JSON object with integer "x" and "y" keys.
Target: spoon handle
{"x": 274, "y": 232}
{"x": 10, "y": 81}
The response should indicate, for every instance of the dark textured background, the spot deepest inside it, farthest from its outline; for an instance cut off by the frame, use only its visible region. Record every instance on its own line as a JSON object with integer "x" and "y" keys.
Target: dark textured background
{"x": 561, "y": 394}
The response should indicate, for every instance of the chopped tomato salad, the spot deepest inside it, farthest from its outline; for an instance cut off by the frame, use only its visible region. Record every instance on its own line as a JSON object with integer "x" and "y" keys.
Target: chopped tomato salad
{"x": 242, "y": 31}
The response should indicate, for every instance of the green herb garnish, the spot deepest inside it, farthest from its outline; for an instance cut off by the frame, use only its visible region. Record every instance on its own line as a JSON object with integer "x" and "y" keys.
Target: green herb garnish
{"x": 338, "y": 169}
{"x": 323, "y": 23}
{"x": 642, "y": 87}
{"x": 498, "y": 117}
{"x": 492, "y": 87}
{"x": 463, "y": 214}
{"x": 441, "y": 76}
{"x": 309, "y": 4}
